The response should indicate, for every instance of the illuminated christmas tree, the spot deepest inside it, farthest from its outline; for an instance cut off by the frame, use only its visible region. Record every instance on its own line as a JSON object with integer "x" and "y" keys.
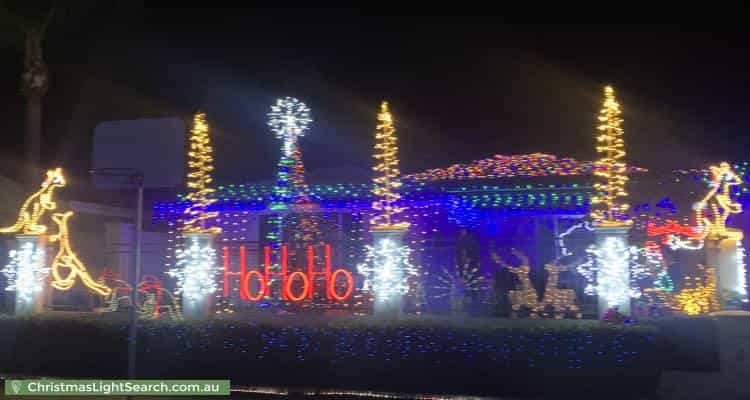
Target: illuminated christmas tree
{"x": 386, "y": 181}
{"x": 196, "y": 266}
{"x": 200, "y": 166}
{"x": 297, "y": 179}
{"x": 609, "y": 205}
{"x": 289, "y": 119}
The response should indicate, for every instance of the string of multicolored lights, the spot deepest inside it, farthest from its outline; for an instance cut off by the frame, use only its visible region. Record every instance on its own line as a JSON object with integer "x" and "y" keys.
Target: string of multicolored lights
{"x": 512, "y": 166}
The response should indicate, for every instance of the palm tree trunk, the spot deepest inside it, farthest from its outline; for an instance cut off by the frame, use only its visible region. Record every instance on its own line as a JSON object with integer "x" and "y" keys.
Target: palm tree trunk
{"x": 34, "y": 87}
{"x": 33, "y": 138}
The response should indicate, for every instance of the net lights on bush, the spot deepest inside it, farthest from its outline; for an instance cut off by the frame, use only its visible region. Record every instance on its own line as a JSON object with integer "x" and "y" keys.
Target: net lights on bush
{"x": 387, "y": 268}
{"x": 26, "y": 271}
{"x": 196, "y": 270}
{"x": 607, "y": 268}
{"x": 386, "y": 180}
{"x": 609, "y": 203}
{"x": 200, "y": 165}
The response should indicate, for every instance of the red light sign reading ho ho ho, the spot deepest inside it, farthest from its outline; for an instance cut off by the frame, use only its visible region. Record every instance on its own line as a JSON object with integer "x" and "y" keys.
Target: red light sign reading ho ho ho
{"x": 287, "y": 279}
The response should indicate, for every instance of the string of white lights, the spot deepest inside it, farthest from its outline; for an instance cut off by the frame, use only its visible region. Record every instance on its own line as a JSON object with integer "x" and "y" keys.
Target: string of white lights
{"x": 26, "y": 271}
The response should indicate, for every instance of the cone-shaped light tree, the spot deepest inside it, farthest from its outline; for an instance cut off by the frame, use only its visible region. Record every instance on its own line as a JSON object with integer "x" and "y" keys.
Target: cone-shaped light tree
{"x": 610, "y": 202}
{"x": 387, "y": 267}
{"x": 386, "y": 180}
{"x": 609, "y": 212}
{"x": 196, "y": 267}
{"x": 200, "y": 167}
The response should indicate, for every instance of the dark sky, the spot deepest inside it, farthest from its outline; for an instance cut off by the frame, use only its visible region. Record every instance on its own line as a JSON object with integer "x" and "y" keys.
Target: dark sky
{"x": 461, "y": 87}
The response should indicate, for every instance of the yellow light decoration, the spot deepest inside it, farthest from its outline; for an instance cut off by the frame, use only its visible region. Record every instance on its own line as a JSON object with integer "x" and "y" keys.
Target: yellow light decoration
{"x": 150, "y": 306}
{"x": 36, "y": 205}
{"x": 526, "y": 296}
{"x": 387, "y": 180}
{"x": 67, "y": 258}
{"x": 609, "y": 205}
{"x": 560, "y": 300}
{"x": 200, "y": 166}
{"x": 699, "y": 297}
{"x": 719, "y": 200}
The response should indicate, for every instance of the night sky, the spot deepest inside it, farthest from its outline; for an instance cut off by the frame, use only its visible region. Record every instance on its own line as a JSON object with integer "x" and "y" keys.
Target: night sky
{"x": 461, "y": 87}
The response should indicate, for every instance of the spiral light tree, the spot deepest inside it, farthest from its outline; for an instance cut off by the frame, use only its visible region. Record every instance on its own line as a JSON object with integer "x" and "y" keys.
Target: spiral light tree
{"x": 27, "y": 269}
{"x": 196, "y": 268}
{"x": 387, "y": 268}
{"x": 610, "y": 220}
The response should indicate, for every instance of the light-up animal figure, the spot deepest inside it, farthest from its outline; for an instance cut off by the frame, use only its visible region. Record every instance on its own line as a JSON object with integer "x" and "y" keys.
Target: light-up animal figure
{"x": 152, "y": 302}
{"x": 526, "y": 296}
{"x": 66, "y": 258}
{"x": 36, "y": 205}
{"x": 719, "y": 200}
{"x": 560, "y": 300}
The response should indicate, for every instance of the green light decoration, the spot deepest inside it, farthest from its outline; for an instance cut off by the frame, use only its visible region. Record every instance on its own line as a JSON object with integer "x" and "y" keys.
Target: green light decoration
{"x": 664, "y": 282}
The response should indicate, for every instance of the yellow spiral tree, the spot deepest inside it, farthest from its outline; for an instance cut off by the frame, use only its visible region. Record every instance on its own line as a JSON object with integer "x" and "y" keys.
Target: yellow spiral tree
{"x": 200, "y": 166}
{"x": 386, "y": 180}
{"x": 609, "y": 203}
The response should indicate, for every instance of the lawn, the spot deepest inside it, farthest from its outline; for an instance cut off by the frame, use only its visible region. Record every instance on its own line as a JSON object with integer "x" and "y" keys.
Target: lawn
{"x": 477, "y": 356}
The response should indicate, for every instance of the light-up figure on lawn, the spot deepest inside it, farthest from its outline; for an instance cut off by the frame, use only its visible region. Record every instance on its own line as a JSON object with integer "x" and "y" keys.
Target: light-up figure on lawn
{"x": 66, "y": 258}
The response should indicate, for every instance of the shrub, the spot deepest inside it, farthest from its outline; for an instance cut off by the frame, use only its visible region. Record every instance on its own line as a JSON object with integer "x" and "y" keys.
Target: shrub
{"x": 417, "y": 355}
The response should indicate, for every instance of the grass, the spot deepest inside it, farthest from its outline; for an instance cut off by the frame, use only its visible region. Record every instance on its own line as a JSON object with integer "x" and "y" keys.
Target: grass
{"x": 477, "y": 356}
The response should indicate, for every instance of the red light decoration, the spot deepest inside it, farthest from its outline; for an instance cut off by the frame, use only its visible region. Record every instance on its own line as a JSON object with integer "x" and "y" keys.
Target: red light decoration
{"x": 312, "y": 273}
{"x": 150, "y": 282}
{"x": 671, "y": 228}
{"x": 307, "y": 277}
{"x": 332, "y": 285}
{"x": 147, "y": 283}
{"x": 282, "y": 274}
{"x": 245, "y": 289}
{"x": 305, "y": 285}
{"x": 511, "y": 166}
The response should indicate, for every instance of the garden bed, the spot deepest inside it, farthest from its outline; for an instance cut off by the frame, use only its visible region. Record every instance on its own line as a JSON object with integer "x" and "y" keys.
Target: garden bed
{"x": 418, "y": 354}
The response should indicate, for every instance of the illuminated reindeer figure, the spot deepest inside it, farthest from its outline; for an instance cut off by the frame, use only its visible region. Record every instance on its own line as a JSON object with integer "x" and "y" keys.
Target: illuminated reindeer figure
{"x": 560, "y": 300}
{"x": 721, "y": 204}
{"x": 526, "y": 296}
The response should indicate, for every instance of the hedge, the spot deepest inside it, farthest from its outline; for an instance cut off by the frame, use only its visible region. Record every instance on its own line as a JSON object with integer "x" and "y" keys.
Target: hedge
{"x": 472, "y": 356}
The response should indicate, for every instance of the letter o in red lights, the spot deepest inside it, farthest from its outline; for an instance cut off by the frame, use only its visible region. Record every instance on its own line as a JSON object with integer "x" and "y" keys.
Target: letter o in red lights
{"x": 332, "y": 284}
{"x": 305, "y": 286}
{"x": 246, "y": 286}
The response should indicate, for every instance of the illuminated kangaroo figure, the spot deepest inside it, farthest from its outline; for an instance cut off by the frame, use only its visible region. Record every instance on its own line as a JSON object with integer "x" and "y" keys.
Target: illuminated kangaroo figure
{"x": 720, "y": 201}
{"x": 66, "y": 258}
{"x": 35, "y": 206}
